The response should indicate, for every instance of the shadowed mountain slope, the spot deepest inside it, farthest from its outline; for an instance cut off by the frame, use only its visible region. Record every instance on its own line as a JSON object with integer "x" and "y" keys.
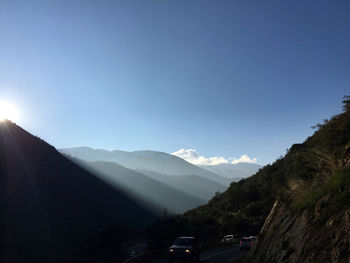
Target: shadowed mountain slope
{"x": 192, "y": 184}
{"x": 158, "y": 162}
{"x": 143, "y": 188}
{"x": 49, "y": 204}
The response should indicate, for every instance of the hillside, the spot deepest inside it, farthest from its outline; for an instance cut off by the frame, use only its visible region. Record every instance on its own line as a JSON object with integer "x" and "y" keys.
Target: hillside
{"x": 152, "y": 161}
{"x": 310, "y": 220}
{"x": 48, "y": 205}
{"x": 300, "y": 204}
{"x": 150, "y": 192}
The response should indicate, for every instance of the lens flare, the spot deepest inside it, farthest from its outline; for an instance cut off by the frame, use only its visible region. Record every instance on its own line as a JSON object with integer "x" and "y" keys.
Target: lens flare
{"x": 8, "y": 112}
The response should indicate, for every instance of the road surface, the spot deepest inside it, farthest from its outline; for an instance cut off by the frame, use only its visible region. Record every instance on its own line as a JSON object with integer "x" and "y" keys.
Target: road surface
{"x": 221, "y": 255}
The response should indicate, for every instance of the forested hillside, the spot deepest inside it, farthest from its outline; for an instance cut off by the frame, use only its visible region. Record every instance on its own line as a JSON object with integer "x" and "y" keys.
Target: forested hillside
{"x": 309, "y": 172}
{"x": 305, "y": 167}
{"x": 310, "y": 220}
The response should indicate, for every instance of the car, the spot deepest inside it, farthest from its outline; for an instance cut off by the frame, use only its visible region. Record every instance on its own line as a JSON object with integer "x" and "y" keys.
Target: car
{"x": 185, "y": 248}
{"x": 230, "y": 239}
{"x": 253, "y": 239}
{"x": 246, "y": 243}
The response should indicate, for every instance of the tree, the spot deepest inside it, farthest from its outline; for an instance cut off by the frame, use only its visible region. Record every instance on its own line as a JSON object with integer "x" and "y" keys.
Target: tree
{"x": 346, "y": 103}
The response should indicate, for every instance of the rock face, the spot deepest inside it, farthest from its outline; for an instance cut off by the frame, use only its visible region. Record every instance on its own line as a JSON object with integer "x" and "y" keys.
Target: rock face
{"x": 299, "y": 237}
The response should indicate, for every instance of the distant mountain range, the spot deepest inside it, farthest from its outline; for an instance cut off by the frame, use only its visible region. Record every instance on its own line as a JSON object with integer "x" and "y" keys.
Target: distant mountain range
{"x": 161, "y": 180}
{"x": 48, "y": 204}
{"x": 158, "y": 162}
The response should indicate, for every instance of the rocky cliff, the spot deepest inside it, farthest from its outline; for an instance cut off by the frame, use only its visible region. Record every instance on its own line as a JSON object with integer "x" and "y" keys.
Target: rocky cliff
{"x": 288, "y": 237}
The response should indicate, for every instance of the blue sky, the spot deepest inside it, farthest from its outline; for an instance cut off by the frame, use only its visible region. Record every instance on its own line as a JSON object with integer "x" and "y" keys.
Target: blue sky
{"x": 225, "y": 78}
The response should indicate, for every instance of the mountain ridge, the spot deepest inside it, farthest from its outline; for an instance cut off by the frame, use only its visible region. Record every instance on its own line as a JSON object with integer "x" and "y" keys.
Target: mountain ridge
{"x": 148, "y": 160}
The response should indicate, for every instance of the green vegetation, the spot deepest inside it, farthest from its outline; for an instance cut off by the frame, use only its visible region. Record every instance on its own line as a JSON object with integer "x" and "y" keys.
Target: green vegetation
{"x": 338, "y": 186}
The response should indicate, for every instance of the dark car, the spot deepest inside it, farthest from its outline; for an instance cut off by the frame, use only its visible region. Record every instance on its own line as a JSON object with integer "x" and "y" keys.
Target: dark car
{"x": 247, "y": 242}
{"x": 185, "y": 248}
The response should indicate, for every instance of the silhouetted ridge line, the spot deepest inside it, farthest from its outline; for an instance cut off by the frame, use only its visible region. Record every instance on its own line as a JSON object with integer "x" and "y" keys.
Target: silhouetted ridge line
{"x": 49, "y": 205}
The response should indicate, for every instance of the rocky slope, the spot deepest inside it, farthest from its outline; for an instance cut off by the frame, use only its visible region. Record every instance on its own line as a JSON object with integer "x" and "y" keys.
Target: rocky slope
{"x": 301, "y": 237}
{"x": 319, "y": 232}
{"x": 310, "y": 219}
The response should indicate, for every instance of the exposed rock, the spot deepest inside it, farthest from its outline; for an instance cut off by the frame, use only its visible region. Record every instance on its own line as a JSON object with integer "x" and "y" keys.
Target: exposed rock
{"x": 289, "y": 236}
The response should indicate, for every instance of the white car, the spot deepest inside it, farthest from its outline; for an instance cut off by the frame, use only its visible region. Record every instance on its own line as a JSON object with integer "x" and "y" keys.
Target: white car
{"x": 230, "y": 239}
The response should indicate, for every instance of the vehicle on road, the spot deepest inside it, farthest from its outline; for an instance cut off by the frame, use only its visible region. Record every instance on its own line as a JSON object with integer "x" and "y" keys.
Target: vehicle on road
{"x": 230, "y": 239}
{"x": 185, "y": 248}
{"x": 246, "y": 243}
{"x": 253, "y": 240}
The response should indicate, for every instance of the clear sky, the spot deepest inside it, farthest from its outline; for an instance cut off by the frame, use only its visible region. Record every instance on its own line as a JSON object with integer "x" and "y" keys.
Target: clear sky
{"x": 224, "y": 78}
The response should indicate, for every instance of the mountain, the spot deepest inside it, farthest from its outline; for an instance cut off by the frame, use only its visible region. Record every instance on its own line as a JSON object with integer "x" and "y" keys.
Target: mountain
{"x": 143, "y": 188}
{"x": 157, "y": 162}
{"x": 191, "y": 184}
{"x": 310, "y": 218}
{"x": 48, "y": 204}
{"x": 299, "y": 206}
{"x": 233, "y": 171}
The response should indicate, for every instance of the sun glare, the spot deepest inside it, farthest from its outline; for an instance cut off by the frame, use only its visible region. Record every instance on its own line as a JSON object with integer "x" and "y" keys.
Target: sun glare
{"x": 8, "y": 112}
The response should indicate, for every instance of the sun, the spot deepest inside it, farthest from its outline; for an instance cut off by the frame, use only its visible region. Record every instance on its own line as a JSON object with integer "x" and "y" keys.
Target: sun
{"x": 8, "y": 112}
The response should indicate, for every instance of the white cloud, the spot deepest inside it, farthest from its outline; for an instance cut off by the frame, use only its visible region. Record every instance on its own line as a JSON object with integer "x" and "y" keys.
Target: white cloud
{"x": 244, "y": 159}
{"x": 192, "y": 156}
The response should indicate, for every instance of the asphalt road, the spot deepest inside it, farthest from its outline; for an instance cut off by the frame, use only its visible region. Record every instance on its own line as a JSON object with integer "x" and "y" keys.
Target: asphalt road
{"x": 221, "y": 255}
{"x": 218, "y": 255}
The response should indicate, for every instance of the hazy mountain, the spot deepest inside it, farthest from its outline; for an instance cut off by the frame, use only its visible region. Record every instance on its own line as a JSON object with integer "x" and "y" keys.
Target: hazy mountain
{"x": 233, "y": 171}
{"x": 192, "y": 184}
{"x": 48, "y": 204}
{"x": 145, "y": 189}
{"x": 158, "y": 162}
